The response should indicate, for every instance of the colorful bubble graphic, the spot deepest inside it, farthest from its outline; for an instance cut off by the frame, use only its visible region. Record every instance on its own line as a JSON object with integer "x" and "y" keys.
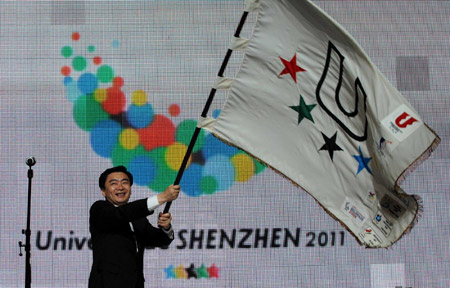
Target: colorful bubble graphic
{"x": 149, "y": 144}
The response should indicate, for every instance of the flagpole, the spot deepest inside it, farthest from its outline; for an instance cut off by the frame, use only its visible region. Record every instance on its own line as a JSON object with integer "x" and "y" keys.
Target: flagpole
{"x": 205, "y": 110}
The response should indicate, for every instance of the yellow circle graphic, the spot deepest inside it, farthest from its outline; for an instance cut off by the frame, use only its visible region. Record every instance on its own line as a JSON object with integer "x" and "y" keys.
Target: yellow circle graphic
{"x": 129, "y": 139}
{"x": 139, "y": 98}
{"x": 100, "y": 95}
{"x": 175, "y": 154}
{"x": 244, "y": 167}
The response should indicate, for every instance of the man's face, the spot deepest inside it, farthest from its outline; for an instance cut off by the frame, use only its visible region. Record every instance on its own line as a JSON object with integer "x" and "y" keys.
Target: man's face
{"x": 117, "y": 188}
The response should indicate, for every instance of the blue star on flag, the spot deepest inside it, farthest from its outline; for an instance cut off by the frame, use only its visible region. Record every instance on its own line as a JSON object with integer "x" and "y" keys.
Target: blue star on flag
{"x": 363, "y": 162}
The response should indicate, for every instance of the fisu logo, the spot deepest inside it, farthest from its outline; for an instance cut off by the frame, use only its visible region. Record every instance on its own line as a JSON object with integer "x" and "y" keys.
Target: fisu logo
{"x": 404, "y": 120}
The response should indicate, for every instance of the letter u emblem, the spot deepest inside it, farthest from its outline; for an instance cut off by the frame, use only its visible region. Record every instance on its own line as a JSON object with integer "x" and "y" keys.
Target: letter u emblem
{"x": 402, "y": 122}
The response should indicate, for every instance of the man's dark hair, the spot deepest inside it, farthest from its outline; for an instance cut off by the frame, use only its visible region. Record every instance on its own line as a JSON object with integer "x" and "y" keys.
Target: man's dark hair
{"x": 104, "y": 175}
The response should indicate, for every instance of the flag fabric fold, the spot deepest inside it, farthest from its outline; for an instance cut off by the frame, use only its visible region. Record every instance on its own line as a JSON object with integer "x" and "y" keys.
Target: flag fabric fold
{"x": 308, "y": 102}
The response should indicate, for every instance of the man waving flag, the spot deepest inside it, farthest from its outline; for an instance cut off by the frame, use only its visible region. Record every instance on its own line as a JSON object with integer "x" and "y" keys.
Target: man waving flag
{"x": 308, "y": 102}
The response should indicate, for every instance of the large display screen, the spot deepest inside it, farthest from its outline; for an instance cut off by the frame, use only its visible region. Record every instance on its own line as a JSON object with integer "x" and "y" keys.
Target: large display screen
{"x": 243, "y": 225}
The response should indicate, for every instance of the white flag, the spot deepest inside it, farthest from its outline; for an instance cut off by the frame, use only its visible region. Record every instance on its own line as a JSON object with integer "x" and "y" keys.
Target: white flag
{"x": 308, "y": 102}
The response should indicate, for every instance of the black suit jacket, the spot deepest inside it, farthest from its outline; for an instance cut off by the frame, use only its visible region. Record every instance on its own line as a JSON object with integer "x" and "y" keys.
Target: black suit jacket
{"x": 118, "y": 252}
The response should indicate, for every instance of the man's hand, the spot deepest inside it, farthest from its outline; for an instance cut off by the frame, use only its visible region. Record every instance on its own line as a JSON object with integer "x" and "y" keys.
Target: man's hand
{"x": 169, "y": 194}
{"x": 164, "y": 220}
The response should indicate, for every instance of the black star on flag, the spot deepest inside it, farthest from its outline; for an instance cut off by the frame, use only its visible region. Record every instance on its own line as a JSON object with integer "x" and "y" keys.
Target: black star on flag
{"x": 330, "y": 145}
{"x": 304, "y": 110}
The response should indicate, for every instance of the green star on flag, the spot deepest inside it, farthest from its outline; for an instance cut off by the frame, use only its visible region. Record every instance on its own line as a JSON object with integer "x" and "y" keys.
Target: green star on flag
{"x": 304, "y": 110}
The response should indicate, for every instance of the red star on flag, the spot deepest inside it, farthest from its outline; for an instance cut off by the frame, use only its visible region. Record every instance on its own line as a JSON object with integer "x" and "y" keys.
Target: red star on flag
{"x": 291, "y": 67}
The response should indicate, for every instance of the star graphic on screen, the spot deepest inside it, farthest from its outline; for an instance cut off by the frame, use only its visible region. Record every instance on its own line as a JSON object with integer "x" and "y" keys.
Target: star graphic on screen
{"x": 170, "y": 272}
{"x": 191, "y": 272}
{"x": 202, "y": 272}
{"x": 213, "y": 271}
{"x": 303, "y": 110}
{"x": 291, "y": 67}
{"x": 180, "y": 272}
{"x": 363, "y": 162}
{"x": 330, "y": 145}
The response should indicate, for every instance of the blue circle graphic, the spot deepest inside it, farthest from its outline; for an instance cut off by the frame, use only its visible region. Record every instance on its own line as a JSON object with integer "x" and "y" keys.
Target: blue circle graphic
{"x": 140, "y": 116}
{"x": 104, "y": 137}
{"x": 87, "y": 83}
{"x": 143, "y": 169}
